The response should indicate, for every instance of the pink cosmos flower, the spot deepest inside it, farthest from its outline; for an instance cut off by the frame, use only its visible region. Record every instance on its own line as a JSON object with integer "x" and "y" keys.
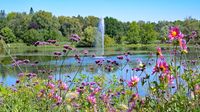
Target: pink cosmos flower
{"x": 63, "y": 86}
{"x": 51, "y": 93}
{"x": 167, "y": 78}
{"x": 183, "y": 45}
{"x": 174, "y": 33}
{"x": 161, "y": 66}
{"x": 159, "y": 52}
{"x": 134, "y": 80}
{"x": 197, "y": 88}
{"x": 57, "y": 99}
{"x": 50, "y": 85}
{"x": 91, "y": 99}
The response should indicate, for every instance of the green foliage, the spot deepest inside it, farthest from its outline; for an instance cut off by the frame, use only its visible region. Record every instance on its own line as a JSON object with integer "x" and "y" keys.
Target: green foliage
{"x": 108, "y": 41}
{"x": 32, "y": 36}
{"x": 45, "y": 20}
{"x": 140, "y": 32}
{"x": 133, "y": 35}
{"x": 69, "y": 26}
{"x": 115, "y": 29}
{"x": 88, "y": 38}
{"x": 147, "y": 33}
{"x": 8, "y": 35}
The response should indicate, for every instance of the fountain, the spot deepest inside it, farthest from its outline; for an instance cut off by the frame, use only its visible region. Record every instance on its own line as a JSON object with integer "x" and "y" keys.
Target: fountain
{"x": 99, "y": 41}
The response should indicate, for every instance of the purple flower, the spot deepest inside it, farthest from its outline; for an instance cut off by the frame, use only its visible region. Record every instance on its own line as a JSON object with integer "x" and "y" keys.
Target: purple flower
{"x": 120, "y": 57}
{"x": 57, "y": 53}
{"x": 17, "y": 81}
{"x": 75, "y": 37}
{"x": 85, "y": 52}
{"x": 20, "y": 74}
{"x": 134, "y": 80}
{"x": 52, "y": 41}
{"x": 63, "y": 86}
{"x": 50, "y": 85}
{"x": 92, "y": 99}
{"x": 50, "y": 77}
{"x": 57, "y": 99}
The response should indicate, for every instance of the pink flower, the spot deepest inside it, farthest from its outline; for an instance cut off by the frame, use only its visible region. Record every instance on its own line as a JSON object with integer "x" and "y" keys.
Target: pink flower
{"x": 197, "y": 89}
{"x": 167, "y": 78}
{"x": 134, "y": 80}
{"x": 161, "y": 66}
{"x": 51, "y": 93}
{"x": 50, "y": 85}
{"x": 91, "y": 99}
{"x": 120, "y": 57}
{"x": 134, "y": 97}
{"x": 75, "y": 37}
{"x": 183, "y": 45}
{"x": 159, "y": 52}
{"x": 85, "y": 52}
{"x": 170, "y": 79}
{"x": 174, "y": 33}
{"x": 57, "y": 99}
{"x": 63, "y": 86}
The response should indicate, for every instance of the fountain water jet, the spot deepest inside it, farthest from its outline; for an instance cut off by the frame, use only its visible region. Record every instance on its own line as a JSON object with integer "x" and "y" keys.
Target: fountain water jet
{"x": 99, "y": 41}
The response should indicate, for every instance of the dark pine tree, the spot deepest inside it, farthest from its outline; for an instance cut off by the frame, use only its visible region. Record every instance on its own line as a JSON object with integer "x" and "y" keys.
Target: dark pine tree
{"x": 31, "y": 11}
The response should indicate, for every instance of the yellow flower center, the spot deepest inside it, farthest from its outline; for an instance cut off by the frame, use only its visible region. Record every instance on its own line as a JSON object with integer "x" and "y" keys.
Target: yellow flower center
{"x": 174, "y": 33}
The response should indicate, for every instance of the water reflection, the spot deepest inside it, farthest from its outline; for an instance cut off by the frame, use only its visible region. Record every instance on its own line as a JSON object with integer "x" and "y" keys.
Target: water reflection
{"x": 48, "y": 65}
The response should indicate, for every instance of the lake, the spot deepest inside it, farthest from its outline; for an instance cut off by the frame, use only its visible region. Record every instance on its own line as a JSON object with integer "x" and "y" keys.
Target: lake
{"x": 43, "y": 62}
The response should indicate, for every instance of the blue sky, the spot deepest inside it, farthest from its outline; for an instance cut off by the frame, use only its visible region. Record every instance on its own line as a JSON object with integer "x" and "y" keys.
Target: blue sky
{"x": 124, "y": 10}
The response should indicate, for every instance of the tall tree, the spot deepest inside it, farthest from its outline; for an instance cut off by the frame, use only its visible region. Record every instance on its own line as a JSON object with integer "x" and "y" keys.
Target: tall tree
{"x": 31, "y": 11}
{"x": 133, "y": 36}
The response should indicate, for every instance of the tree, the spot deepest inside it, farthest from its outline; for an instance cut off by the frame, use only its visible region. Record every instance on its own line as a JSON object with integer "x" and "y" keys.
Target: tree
{"x": 91, "y": 21}
{"x": 69, "y": 26}
{"x": 133, "y": 35}
{"x": 45, "y": 20}
{"x": 147, "y": 33}
{"x": 115, "y": 29}
{"x": 31, "y": 11}
{"x": 2, "y": 14}
{"x": 108, "y": 41}
{"x": 19, "y": 23}
{"x": 8, "y": 34}
{"x": 88, "y": 39}
{"x": 32, "y": 36}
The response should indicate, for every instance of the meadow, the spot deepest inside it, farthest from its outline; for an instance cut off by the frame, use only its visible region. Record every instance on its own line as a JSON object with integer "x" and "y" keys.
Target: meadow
{"x": 163, "y": 78}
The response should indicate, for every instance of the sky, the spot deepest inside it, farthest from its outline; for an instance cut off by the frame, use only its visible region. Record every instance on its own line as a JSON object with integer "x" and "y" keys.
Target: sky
{"x": 123, "y": 10}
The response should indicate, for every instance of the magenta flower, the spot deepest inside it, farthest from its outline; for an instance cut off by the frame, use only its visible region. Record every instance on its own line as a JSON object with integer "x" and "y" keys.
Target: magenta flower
{"x": 183, "y": 45}
{"x": 159, "y": 52}
{"x": 50, "y": 85}
{"x": 51, "y": 93}
{"x": 50, "y": 77}
{"x": 161, "y": 66}
{"x": 85, "y": 52}
{"x": 170, "y": 79}
{"x": 75, "y": 37}
{"x": 174, "y": 33}
{"x": 197, "y": 88}
{"x": 91, "y": 99}
{"x": 63, "y": 86}
{"x": 167, "y": 78}
{"x": 57, "y": 99}
{"x": 52, "y": 41}
{"x": 134, "y": 80}
{"x": 120, "y": 57}
{"x": 57, "y": 53}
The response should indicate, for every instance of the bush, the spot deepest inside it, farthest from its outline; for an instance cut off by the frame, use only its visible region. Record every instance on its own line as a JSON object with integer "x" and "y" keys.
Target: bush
{"x": 8, "y": 35}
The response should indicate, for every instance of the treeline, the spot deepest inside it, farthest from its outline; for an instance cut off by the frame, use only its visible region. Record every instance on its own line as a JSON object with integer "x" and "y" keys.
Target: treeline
{"x": 42, "y": 26}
